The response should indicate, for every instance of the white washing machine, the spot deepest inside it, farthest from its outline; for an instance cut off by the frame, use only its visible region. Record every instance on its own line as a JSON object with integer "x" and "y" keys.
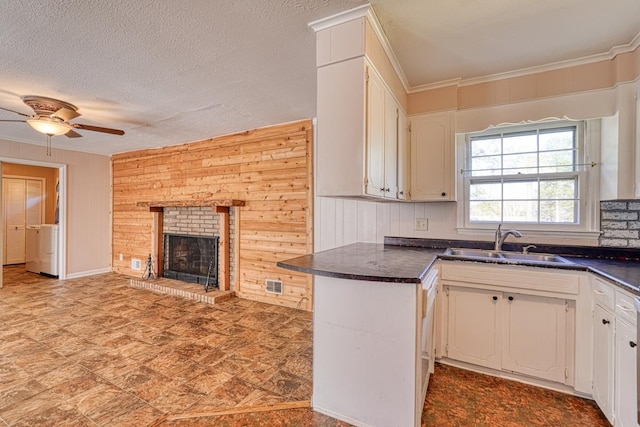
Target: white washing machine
{"x": 49, "y": 249}
{"x": 32, "y": 248}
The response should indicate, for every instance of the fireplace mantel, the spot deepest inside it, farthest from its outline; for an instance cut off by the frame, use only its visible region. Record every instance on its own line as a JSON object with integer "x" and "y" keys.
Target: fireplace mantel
{"x": 154, "y": 205}
{"x": 219, "y": 206}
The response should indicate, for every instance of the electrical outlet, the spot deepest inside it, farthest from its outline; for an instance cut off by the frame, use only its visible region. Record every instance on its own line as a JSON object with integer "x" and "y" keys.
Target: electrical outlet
{"x": 136, "y": 264}
{"x": 422, "y": 224}
{"x": 120, "y": 257}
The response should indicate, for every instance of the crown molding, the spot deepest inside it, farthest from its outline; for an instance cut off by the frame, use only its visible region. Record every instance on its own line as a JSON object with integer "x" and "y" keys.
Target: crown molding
{"x": 608, "y": 56}
{"x": 366, "y": 10}
{"x": 382, "y": 38}
{"x": 340, "y": 18}
{"x": 436, "y": 85}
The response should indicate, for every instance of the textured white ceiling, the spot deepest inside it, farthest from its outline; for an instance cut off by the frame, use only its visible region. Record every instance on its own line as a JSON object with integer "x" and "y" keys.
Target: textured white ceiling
{"x": 171, "y": 72}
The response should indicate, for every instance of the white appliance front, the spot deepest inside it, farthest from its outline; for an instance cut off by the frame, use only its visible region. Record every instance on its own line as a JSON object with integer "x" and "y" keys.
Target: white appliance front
{"x": 32, "y": 248}
{"x": 49, "y": 249}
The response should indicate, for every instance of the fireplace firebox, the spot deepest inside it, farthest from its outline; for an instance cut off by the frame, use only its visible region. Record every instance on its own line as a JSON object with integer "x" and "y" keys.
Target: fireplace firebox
{"x": 191, "y": 258}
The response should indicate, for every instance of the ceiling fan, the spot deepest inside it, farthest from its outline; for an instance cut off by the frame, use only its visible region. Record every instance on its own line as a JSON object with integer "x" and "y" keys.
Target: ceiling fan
{"x": 51, "y": 117}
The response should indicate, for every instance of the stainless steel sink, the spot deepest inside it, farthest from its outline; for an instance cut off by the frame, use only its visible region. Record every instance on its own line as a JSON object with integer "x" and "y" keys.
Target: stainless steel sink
{"x": 506, "y": 256}
{"x": 535, "y": 257}
{"x": 473, "y": 253}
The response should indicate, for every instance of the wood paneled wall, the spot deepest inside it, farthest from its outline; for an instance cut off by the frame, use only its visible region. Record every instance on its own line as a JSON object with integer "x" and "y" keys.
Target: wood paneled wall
{"x": 269, "y": 168}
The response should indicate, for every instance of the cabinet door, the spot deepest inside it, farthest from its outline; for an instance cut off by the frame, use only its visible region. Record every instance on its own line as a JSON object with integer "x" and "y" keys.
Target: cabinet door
{"x": 603, "y": 348}
{"x": 375, "y": 134}
{"x": 473, "y": 326}
{"x": 626, "y": 375}
{"x": 390, "y": 146}
{"x": 534, "y": 336}
{"x": 404, "y": 178}
{"x": 432, "y": 157}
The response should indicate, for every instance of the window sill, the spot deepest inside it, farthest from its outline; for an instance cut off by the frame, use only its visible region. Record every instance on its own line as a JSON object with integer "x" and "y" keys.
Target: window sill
{"x": 534, "y": 234}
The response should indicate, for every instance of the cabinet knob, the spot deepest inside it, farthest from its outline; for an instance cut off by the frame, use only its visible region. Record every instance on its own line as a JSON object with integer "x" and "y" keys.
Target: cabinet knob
{"x": 401, "y": 192}
{"x": 605, "y": 322}
{"x": 510, "y": 298}
{"x": 443, "y": 194}
{"x": 632, "y": 344}
{"x": 495, "y": 298}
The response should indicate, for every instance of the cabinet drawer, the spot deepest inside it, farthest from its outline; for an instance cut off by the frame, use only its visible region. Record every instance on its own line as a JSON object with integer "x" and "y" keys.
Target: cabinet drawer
{"x": 603, "y": 293}
{"x": 514, "y": 277}
{"x": 625, "y": 308}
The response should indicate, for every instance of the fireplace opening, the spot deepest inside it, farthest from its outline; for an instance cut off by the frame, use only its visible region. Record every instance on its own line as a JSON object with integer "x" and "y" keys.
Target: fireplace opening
{"x": 191, "y": 258}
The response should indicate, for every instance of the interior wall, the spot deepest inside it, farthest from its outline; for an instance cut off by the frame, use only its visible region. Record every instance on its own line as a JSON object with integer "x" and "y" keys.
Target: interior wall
{"x": 340, "y": 222}
{"x": 50, "y": 176}
{"x": 269, "y": 169}
{"x": 88, "y": 201}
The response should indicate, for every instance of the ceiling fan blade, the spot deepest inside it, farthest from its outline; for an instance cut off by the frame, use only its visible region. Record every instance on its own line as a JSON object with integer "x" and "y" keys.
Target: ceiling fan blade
{"x": 72, "y": 134}
{"x": 98, "y": 129}
{"x": 21, "y": 121}
{"x": 66, "y": 114}
{"x": 13, "y": 111}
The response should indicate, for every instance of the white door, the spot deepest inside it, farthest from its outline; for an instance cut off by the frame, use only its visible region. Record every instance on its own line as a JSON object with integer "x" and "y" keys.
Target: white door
{"x": 603, "y": 362}
{"x": 14, "y": 216}
{"x": 626, "y": 349}
{"x": 390, "y": 146}
{"x": 34, "y": 212}
{"x": 534, "y": 336}
{"x": 432, "y": 157}
{"x": 23, "y": 205}
{"x": 375, "y": 134}
{"x": 403, "y": 158}
{"x": 474, "y": 325}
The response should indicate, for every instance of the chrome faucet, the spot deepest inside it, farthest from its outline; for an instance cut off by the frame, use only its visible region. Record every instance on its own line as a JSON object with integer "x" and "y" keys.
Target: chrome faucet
{"x": 501, "y": 237}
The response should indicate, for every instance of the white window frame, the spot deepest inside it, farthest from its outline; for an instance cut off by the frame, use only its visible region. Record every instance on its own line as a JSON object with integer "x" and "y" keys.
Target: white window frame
{"x": 588, "y": 143}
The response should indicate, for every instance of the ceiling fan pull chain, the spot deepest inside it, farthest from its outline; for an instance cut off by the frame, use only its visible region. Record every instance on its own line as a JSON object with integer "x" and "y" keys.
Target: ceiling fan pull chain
{"x": 48, "y": 145}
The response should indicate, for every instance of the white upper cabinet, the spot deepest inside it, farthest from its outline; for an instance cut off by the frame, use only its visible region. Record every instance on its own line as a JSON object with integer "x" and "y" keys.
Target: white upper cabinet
{"x": 357, "y": 148}
{"x": 404, "y": 159}
{"x": 375, "y": 138}
{"x": 433, "y": 157}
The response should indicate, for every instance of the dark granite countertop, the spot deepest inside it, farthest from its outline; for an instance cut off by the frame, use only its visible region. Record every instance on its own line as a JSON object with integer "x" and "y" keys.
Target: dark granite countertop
{"x": 407, "y": 260}
{"x": 368, "y": 261}
{"x": 625, "y": 274}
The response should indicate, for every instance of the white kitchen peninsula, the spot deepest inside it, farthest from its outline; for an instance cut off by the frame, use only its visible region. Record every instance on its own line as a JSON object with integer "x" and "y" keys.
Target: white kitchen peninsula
{"x": 369, "y": 362}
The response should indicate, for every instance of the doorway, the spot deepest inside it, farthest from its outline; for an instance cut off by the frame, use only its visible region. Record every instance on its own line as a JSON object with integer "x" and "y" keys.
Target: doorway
{"x": 22, "y": 181}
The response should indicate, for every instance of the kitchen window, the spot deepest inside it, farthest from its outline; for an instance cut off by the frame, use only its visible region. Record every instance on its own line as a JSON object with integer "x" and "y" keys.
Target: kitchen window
{"x": 534, "y": 177}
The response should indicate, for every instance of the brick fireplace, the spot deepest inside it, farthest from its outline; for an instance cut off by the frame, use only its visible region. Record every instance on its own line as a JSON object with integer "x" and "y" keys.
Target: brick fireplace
{"x": 200, "y": 221}
{"x": 198, "y": 218}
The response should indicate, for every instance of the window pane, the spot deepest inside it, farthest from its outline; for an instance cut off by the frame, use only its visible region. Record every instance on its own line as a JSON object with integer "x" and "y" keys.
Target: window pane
{"x": 485, "y": 211}
{"x": 485, "y": 165}
{"x": 520, "y": 163}
{"x": 485, "y": 146}
{"x": 520, "y": 211}
{"x": 559, "y": 189}
{"x": 520, "y": 143}
{"x": 557, "y": 161}
{"x": 519, "y": 190}
{"x": 559, "y": 211}
{"x": 557, "y": 140}
{"x": 529, "y": 175}
{"x": 485, "y": 191}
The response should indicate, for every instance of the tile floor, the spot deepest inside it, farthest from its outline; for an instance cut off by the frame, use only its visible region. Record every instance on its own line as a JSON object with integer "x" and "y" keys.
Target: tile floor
{"x": 96, "y": 351}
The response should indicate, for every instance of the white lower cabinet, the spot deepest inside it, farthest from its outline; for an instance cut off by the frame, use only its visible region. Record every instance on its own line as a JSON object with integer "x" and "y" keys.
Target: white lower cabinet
{"x": 516, "y": 332}
{"x": 603, "y": 360}
{"x": 614, "y": 353}
{"x": 474, "y": 324}
{"x": 625, "y": 376}
{"x": 523, "y": 321}
{"x": 534, "y": 339}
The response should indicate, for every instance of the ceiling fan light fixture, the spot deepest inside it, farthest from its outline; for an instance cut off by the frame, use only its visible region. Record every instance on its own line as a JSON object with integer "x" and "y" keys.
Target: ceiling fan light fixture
{"x": 49, "y": 126}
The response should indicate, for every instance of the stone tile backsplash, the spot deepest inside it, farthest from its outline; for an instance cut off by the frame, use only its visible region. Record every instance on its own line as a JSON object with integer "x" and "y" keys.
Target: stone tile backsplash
{"x": 620, "y": 223}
